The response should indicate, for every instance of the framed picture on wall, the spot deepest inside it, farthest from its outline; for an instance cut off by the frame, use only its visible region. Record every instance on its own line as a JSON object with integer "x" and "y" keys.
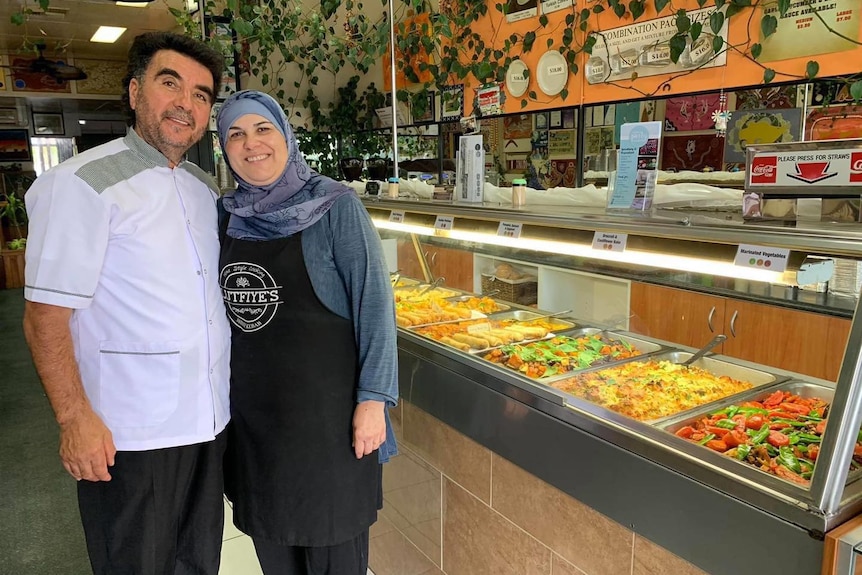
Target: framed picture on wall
{"x": 14, "y": 145}
{"x": 427, "y": 114}
{"x": 452, "y": 102}
{"x": 48, "y": 124}
{"x": 224, "y": 39}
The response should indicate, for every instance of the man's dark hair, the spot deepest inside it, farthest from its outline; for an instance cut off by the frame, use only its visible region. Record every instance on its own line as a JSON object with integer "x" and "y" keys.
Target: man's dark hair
{"x": 146, "y": 45}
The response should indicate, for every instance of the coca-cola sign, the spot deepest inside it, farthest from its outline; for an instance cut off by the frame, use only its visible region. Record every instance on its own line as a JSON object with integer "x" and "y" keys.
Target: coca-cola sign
{"x": 856, "y": 167}
{"x": 764, "y": 170}
{"x": 811, "y": 171}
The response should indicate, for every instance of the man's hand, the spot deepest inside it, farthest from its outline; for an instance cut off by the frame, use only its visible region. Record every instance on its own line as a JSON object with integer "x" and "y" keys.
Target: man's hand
{"x": 369, "y": 427}
{"x": 87, "y": 447}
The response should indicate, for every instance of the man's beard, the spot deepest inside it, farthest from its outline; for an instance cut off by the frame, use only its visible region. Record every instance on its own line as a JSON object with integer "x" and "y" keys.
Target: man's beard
{"x": 160, "y": 135}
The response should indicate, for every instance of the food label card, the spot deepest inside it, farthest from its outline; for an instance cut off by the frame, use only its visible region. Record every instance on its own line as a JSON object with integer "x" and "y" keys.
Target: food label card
{"x": 510, "y": 229}
{"x": 763, "y": 257}
{"x": 610, "y": 242}
{"x": 444, "y": 222}
{"x": 396, "y": 216}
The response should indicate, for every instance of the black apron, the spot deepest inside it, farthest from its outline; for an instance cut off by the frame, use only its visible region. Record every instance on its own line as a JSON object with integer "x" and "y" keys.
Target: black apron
{"x": 290, "y": 469}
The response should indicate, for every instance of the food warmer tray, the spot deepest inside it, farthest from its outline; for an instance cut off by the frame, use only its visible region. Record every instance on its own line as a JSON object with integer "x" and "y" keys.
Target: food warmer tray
{"x": 526, "y": 316}
{"x": 647, "y": 348}
{"x": 501, "y": 307}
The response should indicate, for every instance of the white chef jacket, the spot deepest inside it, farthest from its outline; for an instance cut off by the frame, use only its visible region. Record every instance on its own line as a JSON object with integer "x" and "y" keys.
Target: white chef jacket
{"x": 132, "y": 246}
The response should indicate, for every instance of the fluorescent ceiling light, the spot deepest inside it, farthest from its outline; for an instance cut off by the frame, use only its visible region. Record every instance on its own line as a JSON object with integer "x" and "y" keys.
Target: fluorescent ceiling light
{"x": 82, "y": 122}
{"x": 141, "y": 4}
{"x": 107, "y": 34}
{"x": 629, "y": 256}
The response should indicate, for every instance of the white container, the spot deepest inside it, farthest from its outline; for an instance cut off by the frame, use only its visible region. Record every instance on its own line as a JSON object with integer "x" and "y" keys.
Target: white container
{"x": 392, "y": 188}
{"x": 519, "y": 193}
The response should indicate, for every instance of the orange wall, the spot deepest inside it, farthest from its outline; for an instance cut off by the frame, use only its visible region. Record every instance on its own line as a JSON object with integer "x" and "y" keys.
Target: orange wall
{"x": 738, "y": 72}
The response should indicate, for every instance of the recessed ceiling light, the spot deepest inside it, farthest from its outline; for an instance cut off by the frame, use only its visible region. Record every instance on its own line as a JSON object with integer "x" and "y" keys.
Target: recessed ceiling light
{"x": 82, "y": 122}
{"x": 107, "y": 34}
{"x": 141, "y": 4}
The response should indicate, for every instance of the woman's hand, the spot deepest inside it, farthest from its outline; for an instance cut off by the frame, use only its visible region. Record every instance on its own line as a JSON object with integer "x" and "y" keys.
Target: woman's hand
{"x": 369, "y": 427}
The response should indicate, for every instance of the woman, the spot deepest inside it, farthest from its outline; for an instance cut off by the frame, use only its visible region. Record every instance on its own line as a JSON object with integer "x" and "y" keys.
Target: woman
{"x": 314, "y": 359}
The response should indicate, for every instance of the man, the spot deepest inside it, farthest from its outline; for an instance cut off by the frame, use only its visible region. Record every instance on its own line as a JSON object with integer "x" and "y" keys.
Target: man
{"x": 126, "y": 324}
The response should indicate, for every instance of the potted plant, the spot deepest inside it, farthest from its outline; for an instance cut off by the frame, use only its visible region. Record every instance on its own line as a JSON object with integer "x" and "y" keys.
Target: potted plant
{"x": 14, "y": 213}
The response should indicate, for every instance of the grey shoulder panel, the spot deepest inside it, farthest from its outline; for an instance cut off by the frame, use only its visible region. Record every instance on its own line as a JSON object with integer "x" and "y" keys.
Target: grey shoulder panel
{"x": 102, "y": 173}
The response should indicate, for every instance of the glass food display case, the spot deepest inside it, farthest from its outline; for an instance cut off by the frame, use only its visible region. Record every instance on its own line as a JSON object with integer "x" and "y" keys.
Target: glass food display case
{"x": 765, "y": 452}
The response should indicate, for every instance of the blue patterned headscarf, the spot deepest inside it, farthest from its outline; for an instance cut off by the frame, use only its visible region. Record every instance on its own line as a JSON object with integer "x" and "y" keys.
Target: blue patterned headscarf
{"x": 290, "y": 204}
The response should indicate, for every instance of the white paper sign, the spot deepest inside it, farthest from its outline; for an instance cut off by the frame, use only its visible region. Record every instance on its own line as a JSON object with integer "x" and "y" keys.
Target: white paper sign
{"x": 510, "y": 229}
{"x": 610, "y": 242}
{"x": 444, "y": 222}
{"x": 762, "y": 257}
{"x": 549, "y": 6}
{"x": 396, "y": 216}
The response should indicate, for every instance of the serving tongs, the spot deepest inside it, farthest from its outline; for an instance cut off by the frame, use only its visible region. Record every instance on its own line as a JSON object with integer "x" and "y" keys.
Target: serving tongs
{"x": 545, "y": 316}
{"x": 705, "y": 349}
{"x": 433, "y": 285}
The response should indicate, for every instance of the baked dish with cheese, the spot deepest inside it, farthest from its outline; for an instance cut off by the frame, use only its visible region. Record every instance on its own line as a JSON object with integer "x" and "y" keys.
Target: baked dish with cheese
{"x": 649, "y": 390}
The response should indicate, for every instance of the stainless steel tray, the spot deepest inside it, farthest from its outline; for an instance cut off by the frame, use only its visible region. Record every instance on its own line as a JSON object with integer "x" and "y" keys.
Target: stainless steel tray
{"x": 796, "y": 387}
{"x": 501, "y": 307}
{"x": 647, "y": 349}
{"x": 524, "y": 315}
{"x": 718, "y": 367}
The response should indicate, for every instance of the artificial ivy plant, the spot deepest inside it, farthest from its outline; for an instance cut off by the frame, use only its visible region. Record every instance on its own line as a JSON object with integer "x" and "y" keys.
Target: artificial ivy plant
{"x": 461, "y": 52}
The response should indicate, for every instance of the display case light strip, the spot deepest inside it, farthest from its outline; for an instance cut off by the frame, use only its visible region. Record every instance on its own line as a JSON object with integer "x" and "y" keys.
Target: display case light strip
{"x": 629, "y": 256}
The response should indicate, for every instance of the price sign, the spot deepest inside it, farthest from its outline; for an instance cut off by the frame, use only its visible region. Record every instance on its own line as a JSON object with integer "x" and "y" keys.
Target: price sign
{"x": 610, "y": 242}
{"x": 444, "y": 222}
{"x": 510, "y": 229}
{"x": 396, "y": 216}
{"x": 762, "y": 257}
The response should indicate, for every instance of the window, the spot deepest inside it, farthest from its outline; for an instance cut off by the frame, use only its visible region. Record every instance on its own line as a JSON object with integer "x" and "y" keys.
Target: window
{"x": 48, "y": 152}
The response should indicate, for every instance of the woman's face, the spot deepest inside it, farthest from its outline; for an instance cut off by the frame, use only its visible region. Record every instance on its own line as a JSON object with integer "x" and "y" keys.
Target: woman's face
{"x": 256, "y": 150}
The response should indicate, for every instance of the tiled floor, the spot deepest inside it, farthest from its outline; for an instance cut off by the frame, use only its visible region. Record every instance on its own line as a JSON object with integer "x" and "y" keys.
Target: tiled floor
{"x": 237, "y": 552}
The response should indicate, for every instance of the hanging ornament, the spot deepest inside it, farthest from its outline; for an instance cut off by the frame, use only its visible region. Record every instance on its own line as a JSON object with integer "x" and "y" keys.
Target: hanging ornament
{"x": 721, "y": 116}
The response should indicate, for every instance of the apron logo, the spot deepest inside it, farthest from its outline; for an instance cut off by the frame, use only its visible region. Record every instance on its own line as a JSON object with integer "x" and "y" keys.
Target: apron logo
{"x": 250, "y": 295}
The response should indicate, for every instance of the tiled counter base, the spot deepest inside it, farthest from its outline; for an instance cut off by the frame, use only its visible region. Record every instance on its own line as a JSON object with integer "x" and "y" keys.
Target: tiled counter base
{"x": 454, "y": 507}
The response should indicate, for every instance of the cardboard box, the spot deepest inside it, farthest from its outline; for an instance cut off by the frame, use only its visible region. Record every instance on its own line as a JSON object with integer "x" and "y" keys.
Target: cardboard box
{"x": 471, "y": 169}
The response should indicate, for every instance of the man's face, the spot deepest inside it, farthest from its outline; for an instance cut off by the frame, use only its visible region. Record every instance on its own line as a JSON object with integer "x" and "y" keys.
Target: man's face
{"x": 172, "y": 103}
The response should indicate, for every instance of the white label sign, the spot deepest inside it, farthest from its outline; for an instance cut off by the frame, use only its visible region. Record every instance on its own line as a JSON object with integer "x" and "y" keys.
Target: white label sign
{"x": 610, "y": 242}
{"x": 510, "y": 229}
{"x": 549, "y": 6}
{"x": 444, "y": 222}
{"x": 396, "y": 216}
{"x": 762, "y": 257}
{"x": 821, "y": 168}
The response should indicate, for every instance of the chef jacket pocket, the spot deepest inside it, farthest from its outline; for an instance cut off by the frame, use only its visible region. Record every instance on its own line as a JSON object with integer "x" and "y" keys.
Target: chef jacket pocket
{"x": 139, "y": 383}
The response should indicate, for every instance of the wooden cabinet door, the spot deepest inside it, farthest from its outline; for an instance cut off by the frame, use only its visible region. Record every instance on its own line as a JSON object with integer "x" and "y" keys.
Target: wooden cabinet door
{"x": 775, "y": 336}
{"x": 454, "y": 265}
{"x": 675, "y": 315}
{"x": 408, "y": 261}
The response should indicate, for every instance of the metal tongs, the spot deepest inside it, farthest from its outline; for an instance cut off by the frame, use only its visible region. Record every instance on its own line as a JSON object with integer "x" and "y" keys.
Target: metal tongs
{"x": 433, "y": 285}
{"x": 546, "y": 316}
{"x": 705, "y": 349}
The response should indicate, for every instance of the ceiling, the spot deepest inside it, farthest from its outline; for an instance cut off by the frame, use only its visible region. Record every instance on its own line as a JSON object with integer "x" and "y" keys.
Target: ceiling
{"x": 67, "y": 26}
